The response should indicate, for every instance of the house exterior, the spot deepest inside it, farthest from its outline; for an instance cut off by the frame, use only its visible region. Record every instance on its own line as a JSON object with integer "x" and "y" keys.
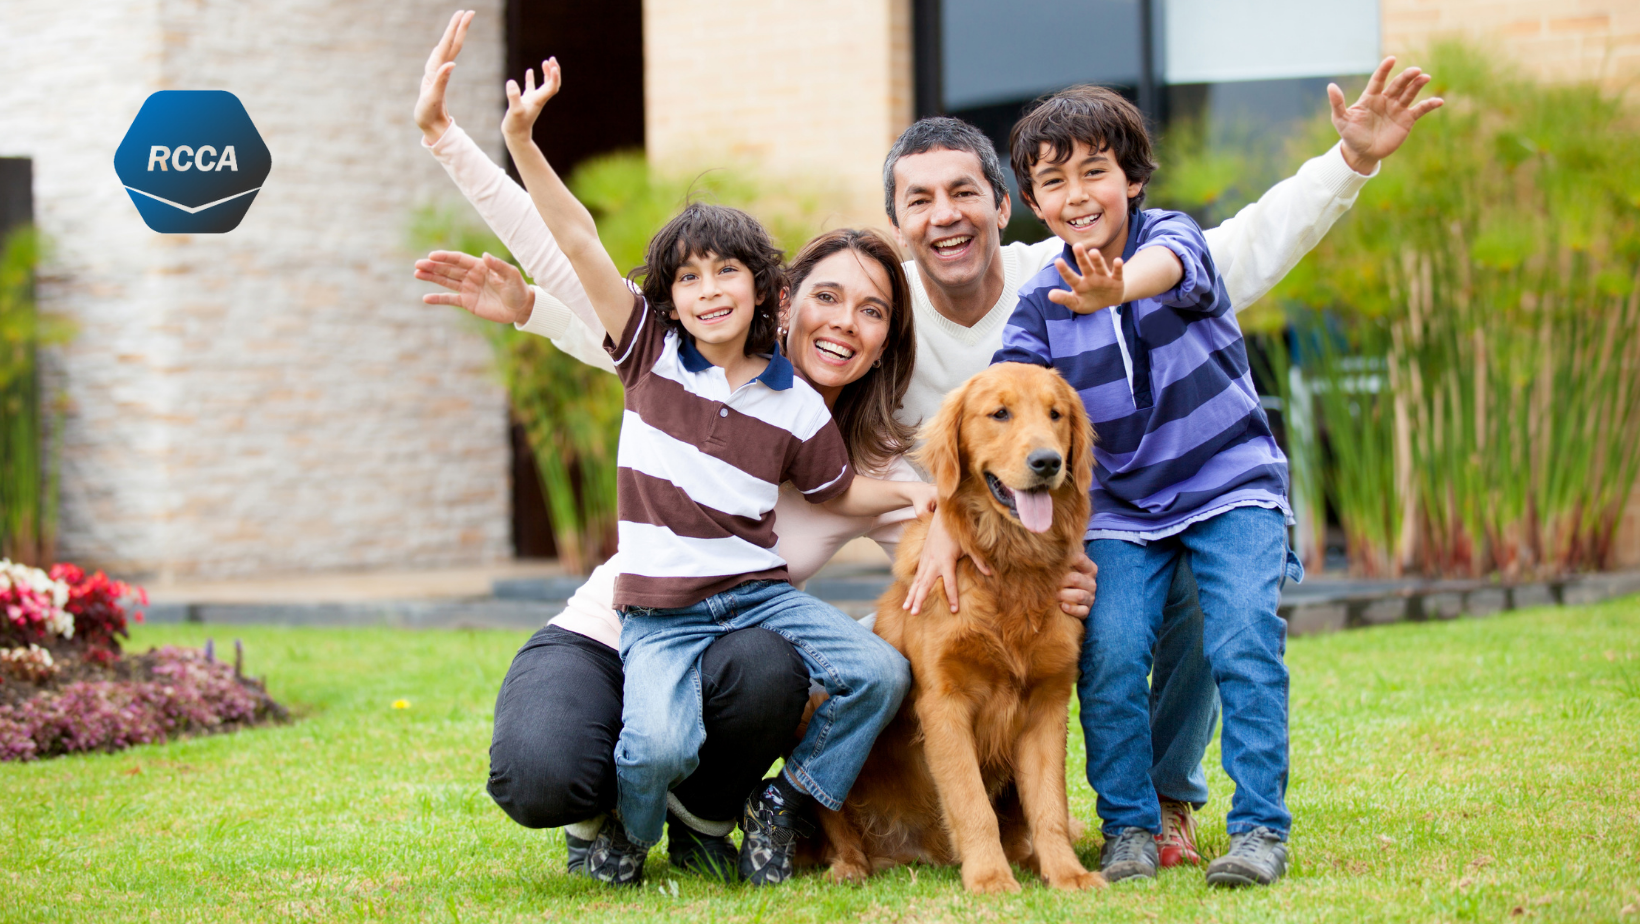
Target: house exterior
{"x": 279, "y": 399}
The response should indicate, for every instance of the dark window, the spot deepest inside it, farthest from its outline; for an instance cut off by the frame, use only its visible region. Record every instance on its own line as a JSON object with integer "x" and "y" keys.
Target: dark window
{"x": 600, "y": 46}
{"x": 16, "y": 193}
{"x": 598, "y": 111}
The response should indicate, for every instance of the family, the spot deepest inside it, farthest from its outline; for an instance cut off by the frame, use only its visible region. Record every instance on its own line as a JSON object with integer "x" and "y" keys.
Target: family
{"x": 772, "y": 415}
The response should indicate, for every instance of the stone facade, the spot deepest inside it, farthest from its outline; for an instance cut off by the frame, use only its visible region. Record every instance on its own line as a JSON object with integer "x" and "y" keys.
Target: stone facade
{"x": 275, "y": 398}
{"x": 1565, "y": 40}
{"x": 815, "y": 92}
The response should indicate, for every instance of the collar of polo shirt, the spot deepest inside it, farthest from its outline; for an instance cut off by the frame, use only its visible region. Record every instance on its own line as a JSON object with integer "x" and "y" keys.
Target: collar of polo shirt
{"x": 777, "y": 375}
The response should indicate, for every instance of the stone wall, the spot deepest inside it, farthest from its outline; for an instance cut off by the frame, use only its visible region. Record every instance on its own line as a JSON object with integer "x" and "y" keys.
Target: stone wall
{"x": 276, "y": 398}
{"x": 1563, "y": 40}
{"x": 811, "y": 91}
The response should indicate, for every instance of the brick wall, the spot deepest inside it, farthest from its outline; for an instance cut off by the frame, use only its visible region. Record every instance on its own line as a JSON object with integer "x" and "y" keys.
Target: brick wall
{"x": 812, "y": 91}
{"x": 276, "y": 398}
{"x": 1562, "y": 40}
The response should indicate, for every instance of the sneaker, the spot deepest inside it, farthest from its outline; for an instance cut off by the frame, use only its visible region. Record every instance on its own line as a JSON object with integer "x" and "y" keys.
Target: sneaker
{"x": 715, "y": 857}
{"x": 1131, "y": 853}
{"x": 1176, "y": 845}
{"x": 1256, "y": 857}
{"x": 613, "y": 859}
{"x": 579, "y": 850}
{"x": 770, "y": 829}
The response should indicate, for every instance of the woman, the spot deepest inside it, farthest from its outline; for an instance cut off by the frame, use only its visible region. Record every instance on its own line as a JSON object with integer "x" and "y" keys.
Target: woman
{"x": 848, "y": 329}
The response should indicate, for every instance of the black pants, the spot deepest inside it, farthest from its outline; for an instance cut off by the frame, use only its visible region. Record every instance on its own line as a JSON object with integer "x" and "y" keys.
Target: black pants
{"x": 552, "y": 758}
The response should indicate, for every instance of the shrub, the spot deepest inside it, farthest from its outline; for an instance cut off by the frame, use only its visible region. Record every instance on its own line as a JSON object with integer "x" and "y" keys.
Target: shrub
{"x": 183, "y": 693}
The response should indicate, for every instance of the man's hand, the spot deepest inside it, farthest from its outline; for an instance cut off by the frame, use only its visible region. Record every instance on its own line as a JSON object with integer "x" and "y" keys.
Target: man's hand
{"x": 940, "y": 555}
{"x": 490, "y": 288}
{"x": 431, "y": 116}
{"x": 1076, "y": 594}
{"x": 1099, "y": 286}
{"x": 1381, "y": 119}
{"x": 524, "y": 107}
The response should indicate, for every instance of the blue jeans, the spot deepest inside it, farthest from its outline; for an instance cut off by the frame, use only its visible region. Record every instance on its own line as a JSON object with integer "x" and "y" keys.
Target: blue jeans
{"x": 1240, "y": 560}
{"x": 1184, "y": 703}
{"x": 662, "y": 730}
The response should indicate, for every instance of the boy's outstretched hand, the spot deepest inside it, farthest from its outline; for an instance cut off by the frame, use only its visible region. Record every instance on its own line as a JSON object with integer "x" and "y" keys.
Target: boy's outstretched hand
{"x": 490, "y": 288}
{"x": 524, "y": 107}
{"x": 1381, "y": 119}
{"x": 431, "y": 116}
{"x": 1099, "y": 286}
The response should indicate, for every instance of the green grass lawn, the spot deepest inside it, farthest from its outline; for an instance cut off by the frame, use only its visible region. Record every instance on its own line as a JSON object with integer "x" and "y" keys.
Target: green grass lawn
{"x": 1478, "y": 770}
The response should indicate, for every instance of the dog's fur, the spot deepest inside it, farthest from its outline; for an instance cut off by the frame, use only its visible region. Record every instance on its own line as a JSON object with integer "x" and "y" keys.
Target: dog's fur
{"x": 981, "y": 733}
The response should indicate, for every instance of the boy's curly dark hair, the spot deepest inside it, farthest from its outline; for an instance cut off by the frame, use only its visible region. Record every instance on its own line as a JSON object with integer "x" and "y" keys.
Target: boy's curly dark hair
{"x": 1100, "y": 118}
{"x": 726, "y": 233}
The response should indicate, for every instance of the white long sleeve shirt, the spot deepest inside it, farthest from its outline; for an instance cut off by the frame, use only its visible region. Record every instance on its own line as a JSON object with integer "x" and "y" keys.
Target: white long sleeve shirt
{"x": 1253, "y": 250}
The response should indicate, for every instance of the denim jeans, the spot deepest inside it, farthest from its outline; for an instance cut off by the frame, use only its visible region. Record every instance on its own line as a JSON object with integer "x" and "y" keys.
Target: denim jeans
{"x": 662, "y": 731}
{"x": 1184, "y": 703}
{"x": 1240, "y": 560}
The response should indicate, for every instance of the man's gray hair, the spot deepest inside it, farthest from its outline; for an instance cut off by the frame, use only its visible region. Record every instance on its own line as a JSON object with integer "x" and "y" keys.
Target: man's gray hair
{"x": 943, "y": 133}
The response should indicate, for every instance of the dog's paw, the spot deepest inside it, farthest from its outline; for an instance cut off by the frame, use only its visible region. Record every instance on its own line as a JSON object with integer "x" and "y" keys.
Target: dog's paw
{"x": 1077, "y": 880}
{"x": 847, "y": 873}
{"x": 990, "y": 882}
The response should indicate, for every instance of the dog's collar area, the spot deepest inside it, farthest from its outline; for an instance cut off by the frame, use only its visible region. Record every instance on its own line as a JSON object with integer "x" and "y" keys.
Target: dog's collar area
{"x": 1000, "y": 491}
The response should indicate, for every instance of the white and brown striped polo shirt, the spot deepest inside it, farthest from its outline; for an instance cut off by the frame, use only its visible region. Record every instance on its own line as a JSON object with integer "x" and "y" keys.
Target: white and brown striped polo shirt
{"x": 700, "y": 467}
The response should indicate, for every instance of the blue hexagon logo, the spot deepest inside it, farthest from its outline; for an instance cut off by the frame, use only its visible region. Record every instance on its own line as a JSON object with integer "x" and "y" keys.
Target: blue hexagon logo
{"x": 192, "y": 161}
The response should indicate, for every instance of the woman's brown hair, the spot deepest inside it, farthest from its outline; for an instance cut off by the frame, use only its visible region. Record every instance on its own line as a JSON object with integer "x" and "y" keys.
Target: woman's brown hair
{"x": 864, "y": 411}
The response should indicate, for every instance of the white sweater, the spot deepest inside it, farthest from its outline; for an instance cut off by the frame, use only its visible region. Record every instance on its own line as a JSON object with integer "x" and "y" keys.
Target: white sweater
{"x": 1253, "y": 250}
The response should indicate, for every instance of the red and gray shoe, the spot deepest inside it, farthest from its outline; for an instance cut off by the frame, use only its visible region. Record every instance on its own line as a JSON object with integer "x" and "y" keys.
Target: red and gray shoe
{"x": 1176, "y": 845}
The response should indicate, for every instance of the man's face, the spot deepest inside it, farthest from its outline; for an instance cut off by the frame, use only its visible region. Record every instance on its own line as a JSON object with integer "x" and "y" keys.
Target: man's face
{"x": 948, "y": 216}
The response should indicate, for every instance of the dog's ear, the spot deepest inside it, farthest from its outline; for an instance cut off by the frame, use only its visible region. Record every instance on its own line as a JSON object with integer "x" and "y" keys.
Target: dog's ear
{"x": 1082, "y": 437}
{"x": 941, "y": 452}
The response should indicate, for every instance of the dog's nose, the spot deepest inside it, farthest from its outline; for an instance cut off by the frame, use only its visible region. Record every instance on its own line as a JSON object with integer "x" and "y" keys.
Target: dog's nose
{"x": 1045, "y": 462}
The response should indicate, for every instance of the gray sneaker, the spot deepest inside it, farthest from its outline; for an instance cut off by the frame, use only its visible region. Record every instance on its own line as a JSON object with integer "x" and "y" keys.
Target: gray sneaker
{"x": 1256, "y": 857}
{"x": 614, "y": 859}
{"x": 1128, "y": 854}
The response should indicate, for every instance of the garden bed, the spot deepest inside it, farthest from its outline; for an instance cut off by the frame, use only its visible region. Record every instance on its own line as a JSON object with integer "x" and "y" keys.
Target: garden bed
{"x": 80, "y": 703}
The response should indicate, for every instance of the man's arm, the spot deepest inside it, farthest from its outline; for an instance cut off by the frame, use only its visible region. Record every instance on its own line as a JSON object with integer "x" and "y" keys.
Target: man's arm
{"x": 1264, "y": 241}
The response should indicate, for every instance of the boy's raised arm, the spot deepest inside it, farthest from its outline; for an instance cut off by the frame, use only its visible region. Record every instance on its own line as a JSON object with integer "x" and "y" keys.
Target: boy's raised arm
{"x": 568, "y": 220}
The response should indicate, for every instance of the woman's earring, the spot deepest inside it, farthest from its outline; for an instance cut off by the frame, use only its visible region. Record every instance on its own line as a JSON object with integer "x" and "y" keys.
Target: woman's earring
{"x": 878, "y": 364}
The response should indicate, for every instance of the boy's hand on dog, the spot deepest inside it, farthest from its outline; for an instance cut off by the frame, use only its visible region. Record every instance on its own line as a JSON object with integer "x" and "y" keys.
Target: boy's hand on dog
{"x": 431, "y": 116}
{"x": 1099, "y": 285}
{"x": 1081, "y": 584}
{"x": 940, "y": 554}
{"x": 524, "y": 107}
{"x": 490, "y": 288}
{"x": 1381, "y": 119}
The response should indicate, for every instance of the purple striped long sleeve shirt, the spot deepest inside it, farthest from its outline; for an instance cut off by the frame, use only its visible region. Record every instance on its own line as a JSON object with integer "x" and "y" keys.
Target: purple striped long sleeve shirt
{"x": 1166, "y": 383}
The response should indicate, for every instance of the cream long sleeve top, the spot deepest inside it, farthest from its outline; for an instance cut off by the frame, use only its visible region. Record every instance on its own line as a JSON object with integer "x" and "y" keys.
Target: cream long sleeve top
{"x": 1252, "y": 250}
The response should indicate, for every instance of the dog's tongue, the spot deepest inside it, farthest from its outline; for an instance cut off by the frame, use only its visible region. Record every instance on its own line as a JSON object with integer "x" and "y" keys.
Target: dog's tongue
{"x": 1035, "y": 509}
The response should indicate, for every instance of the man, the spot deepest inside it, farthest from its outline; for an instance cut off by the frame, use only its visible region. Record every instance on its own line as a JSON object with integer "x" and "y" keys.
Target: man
{"x": 947, "y": 197}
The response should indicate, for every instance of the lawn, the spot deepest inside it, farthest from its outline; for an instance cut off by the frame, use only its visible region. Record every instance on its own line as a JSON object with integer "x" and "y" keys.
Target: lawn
{"x": 1477, "y": 770}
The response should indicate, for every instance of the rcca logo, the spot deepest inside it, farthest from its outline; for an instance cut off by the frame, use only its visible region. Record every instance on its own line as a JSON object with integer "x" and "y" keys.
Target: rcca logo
{"x": 192, "y": 161}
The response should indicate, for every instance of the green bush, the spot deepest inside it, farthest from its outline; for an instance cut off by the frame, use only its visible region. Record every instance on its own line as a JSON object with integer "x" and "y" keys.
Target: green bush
{"x": 28, "y": 470}
{"x": 1468, "y": 331}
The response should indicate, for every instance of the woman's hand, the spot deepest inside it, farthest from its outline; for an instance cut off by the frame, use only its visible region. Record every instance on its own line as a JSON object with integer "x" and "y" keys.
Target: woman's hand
{"x": 490, "y": 288}
{"x": 524, "y": 107}
{"x": 1076, "y": 594}
{"x": 431, "y": 116}
{"x": 940, "y": 554}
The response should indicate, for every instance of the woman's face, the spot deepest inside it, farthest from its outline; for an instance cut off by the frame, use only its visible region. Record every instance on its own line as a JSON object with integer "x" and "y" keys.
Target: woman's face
{"x": 839, "y": 320}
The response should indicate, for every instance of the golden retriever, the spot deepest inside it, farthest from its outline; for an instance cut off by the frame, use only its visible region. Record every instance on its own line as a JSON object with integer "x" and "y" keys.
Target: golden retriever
{"x": 982, "y": 730}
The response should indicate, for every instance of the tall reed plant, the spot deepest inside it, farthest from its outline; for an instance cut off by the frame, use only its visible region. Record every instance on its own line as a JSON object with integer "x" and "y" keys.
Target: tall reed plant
{"x": 571, "y": 412}
{"x": 1471, "y": 332}
{"x": 28, "y": 434}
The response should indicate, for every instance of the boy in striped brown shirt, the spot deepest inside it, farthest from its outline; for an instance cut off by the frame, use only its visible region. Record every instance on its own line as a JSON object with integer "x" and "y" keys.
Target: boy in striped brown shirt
{"x": 715, "y": 420}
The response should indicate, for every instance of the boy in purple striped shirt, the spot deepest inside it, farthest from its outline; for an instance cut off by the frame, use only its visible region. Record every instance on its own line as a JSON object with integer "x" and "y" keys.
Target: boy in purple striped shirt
{"x": 1185, "y": 465}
